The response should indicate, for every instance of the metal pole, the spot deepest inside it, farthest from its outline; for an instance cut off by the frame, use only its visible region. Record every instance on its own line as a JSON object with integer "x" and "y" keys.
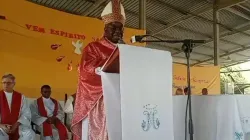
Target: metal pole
{"x": 235, "y": 71}
{"x": 216, "y": 33}
{"x": 142, "y": 14}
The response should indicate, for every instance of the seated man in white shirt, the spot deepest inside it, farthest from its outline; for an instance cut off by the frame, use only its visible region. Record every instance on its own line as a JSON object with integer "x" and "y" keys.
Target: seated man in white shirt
{"x": 47, "y": 114}
{"x": 15, "y": 115}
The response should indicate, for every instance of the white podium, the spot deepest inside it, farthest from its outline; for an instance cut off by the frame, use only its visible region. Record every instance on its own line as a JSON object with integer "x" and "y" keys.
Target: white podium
{"x": 137, "y": 89}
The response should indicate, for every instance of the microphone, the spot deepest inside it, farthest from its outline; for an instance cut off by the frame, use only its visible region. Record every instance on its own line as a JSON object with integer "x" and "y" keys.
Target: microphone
{"x": 137, "y": 38}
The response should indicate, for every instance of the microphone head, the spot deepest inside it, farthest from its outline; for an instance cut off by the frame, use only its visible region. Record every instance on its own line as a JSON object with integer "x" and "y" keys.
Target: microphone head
{"x": 137, "y": 38}
{"x": 133, "y": 39}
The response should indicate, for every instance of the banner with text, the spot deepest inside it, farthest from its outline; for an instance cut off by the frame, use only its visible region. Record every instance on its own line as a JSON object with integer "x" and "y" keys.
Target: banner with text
{"x": 201, "y": 77}
{"x": 40, "y": 46}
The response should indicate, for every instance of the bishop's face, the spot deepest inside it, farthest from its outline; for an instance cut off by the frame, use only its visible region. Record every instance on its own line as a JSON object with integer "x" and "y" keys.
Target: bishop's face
{"x": 114, "y": 31}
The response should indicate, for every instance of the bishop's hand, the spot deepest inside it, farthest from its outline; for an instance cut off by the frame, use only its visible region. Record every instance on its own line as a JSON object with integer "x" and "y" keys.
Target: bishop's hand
{"x": 98, "y": 70}
{"x": 54, "y": 120}
{"x": 48, "y": 120}
{"x": 14, "y": 127}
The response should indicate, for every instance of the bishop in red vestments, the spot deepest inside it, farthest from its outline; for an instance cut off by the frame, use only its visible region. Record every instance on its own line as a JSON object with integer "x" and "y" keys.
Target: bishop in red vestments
{"x": 47, "y": 114}
{"x": 89, "y": 119}
{"x": 15, "y": 113}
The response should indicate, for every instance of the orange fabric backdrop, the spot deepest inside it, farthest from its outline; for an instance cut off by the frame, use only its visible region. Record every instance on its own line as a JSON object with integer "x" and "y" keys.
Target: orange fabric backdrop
{"x": 25, "y": 46}
{"x": 201, "y": 77}
{"x": 25, "y": 50}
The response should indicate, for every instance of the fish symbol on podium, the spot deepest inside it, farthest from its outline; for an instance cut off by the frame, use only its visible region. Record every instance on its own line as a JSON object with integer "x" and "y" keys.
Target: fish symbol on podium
{"x": 78, "y": 45}
{"x": 151, "y": 119}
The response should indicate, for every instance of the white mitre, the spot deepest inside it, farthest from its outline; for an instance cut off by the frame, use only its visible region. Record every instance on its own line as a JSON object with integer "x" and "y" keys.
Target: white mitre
{"x": 113, "y": 12}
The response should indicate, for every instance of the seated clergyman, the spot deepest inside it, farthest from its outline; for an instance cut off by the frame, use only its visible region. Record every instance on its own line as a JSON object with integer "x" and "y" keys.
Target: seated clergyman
{"x": 15, "y": 115}
{"x": 47, "y": 114}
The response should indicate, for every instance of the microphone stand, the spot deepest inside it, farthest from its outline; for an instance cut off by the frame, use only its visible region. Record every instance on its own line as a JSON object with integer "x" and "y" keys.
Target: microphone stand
{"x": 187, "y": 47}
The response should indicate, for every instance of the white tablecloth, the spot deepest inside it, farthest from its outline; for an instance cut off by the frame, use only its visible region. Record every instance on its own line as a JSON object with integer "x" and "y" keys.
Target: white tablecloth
{"x": 224, "y": 117}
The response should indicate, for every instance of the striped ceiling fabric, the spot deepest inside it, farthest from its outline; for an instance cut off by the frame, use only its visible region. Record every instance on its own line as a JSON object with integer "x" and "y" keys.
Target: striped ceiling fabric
{"x": 180, "y": 19}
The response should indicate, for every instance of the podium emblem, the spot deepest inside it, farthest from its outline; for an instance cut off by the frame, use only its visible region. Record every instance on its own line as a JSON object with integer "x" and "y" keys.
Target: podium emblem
{"x": 245, "y": 123}
{"x": 150, "y": 111}
{"x": 238, "y": 136}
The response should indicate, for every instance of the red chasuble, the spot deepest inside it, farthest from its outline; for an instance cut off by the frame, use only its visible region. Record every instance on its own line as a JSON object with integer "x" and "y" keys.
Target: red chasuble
{"x": 10, "y": 116}
{"x": 89, "y": 101}
{"x": 47, "y": 128}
